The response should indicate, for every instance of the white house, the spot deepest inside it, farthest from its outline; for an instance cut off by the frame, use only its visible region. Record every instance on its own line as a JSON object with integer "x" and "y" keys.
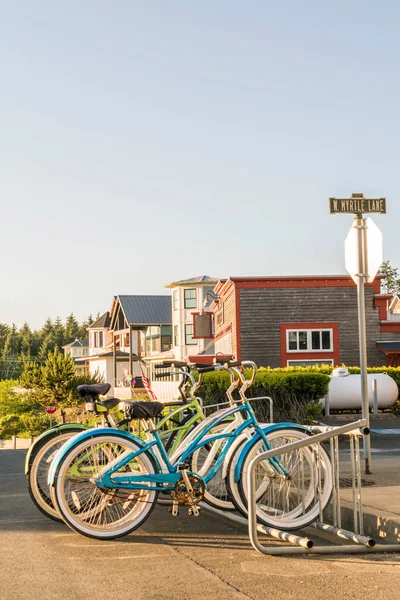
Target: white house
{"x": 189, "y": 296}
{"x": 77, "y": 350}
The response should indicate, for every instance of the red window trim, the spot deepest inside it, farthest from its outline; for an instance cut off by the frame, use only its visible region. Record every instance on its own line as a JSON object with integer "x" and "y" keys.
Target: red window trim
{"x": 332, "y": 355}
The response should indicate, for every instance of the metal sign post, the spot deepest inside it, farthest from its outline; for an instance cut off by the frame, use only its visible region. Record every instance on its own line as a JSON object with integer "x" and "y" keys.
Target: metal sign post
{"x": 363, "y": 252}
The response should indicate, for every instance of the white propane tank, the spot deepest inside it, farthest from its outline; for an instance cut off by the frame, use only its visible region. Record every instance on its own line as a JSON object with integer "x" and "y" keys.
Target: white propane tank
{"x": 345, "y": 390}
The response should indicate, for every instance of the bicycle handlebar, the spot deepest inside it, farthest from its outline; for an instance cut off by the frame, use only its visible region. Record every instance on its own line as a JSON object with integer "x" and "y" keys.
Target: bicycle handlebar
{"x": 210, "y": 368}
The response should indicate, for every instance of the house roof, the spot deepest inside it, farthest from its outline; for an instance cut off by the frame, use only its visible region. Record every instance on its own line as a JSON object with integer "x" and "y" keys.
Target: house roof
{"x": 73, "y": 344}
{"x": 389, "y": 347}
{"x": 103, "y": 321}
{"x": 146, "y": 310}
{"x": 85, "y": 343}
{"x": 206, "y": 279}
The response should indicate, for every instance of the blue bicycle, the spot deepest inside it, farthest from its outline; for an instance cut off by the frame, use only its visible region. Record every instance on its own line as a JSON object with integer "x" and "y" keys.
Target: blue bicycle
{"x": 105, "y": 482}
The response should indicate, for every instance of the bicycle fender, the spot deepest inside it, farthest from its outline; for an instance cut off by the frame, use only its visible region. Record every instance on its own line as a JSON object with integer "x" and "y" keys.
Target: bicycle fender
{"x": 267, "y": 429}
{"x": 49, "y": 433}
{"x": 92, "y": 433}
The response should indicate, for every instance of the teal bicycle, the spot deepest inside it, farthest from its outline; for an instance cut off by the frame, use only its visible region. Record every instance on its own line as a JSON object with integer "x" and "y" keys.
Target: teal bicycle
{"x": 105, "y": 483}
{"x": 177, "y": 419}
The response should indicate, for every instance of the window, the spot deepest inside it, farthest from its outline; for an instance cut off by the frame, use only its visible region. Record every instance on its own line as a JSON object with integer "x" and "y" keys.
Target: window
{"x": 190, "y": 299}
{"x": 95, "y": 338}
{"x": 166, "y": 338}
{"x": 189, "y": 341}
{"x": 101, "y": 341}
{"x": 175, "y": 299}
{"x": 309, "y": 340}
{"x": 176, "y": 336}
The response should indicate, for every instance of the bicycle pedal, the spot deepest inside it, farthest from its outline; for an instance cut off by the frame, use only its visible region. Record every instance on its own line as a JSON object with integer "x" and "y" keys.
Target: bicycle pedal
{"x": 194, "y": 511}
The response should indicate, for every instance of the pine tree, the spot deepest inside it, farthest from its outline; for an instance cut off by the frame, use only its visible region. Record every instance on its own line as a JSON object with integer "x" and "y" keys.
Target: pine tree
{"x": 46, "y": 346}
{"x": 59, "y": 333}
{"x": 12, "y": 344}
{"x": 4, "y": 331}
{"x": 36, "y": 342}
{"x": 47, "y": 328}
{"x": 71, "y": 329}
{"x": 58, "y": 376}
{"x": 25, "y": 335}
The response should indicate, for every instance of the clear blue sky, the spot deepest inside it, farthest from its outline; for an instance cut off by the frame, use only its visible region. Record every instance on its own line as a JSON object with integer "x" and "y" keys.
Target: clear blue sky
{"x": 144, "y": 142}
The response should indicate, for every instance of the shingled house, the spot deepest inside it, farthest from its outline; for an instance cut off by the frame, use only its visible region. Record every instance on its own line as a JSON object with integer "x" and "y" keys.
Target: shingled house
{"x": 283, "y": 321}
{"x": 135, "y": 327}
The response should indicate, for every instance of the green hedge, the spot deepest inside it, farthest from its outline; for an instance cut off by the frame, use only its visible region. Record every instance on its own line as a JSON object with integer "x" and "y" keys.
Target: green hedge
{"x": 393, "y": 372}
{"x": 295, "y": 394}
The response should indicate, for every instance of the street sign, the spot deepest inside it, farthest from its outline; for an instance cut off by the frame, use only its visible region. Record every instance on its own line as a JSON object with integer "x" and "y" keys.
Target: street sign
{"x": 357, "y": 204}
{"x": 373, "y": 251}
{"x": 50, "y": 409}
{"x": 363, "y": 257}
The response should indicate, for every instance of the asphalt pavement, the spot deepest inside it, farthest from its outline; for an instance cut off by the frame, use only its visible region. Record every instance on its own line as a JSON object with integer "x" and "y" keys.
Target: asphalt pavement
{"x": 184, "y": 557}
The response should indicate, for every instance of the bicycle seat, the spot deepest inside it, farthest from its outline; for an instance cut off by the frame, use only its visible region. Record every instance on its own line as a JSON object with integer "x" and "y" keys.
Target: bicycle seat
{"x": 109, "y": 403}
{"x": 95, "y": 389}
{"x": 141, "y": 410}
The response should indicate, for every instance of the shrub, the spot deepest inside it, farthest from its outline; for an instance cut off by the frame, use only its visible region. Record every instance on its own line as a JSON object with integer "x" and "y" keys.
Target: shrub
{"x": 10, "y": 425}
{"x": 34, "y": 424}
{"x": 295, "y": 394}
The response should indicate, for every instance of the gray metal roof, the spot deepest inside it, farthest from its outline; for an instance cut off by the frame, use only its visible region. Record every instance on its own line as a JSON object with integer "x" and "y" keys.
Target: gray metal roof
{"x": 147, "y": 310}
{"x": 192, "y": 280}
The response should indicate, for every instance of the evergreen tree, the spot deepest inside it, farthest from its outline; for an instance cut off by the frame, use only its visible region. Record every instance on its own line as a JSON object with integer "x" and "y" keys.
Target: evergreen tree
{"x": 59, "y": 333}
{"x": 12, "y": 344}
{"x": 71, "y": 329}
{"x": 46, "y": 346}
{"x": 54, "y": 382}
{"x": 83, "y": 328}
{"x": 36, "y": 342}
{"x": 25, "y": 335}
{"x": 47, "y": 328}
{"x": 4, "y": 330}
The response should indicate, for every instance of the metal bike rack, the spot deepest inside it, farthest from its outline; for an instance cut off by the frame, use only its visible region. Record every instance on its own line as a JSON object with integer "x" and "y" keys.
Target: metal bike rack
{"x": 303, "y": 545}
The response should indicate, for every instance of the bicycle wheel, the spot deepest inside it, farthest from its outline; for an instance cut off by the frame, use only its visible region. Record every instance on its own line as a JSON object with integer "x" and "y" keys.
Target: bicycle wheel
{"x": 39, "y": 468}
{"x": 294, "y": 502}
{"x": 203, "y": 460}
{"x": 95, "y": 512}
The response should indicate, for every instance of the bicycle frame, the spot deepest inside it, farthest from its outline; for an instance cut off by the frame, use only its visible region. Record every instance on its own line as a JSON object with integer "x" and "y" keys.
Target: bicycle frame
{"x": 170, "y": 474}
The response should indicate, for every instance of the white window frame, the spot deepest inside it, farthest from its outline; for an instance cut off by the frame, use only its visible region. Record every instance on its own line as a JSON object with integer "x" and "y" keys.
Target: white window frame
{"x": 193, "y": 342}
{"x": 175, "y": 299}
{"x": 309, "y": 345}
{"x": 191, "y": 299}
{"x": 326, "y": 361}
